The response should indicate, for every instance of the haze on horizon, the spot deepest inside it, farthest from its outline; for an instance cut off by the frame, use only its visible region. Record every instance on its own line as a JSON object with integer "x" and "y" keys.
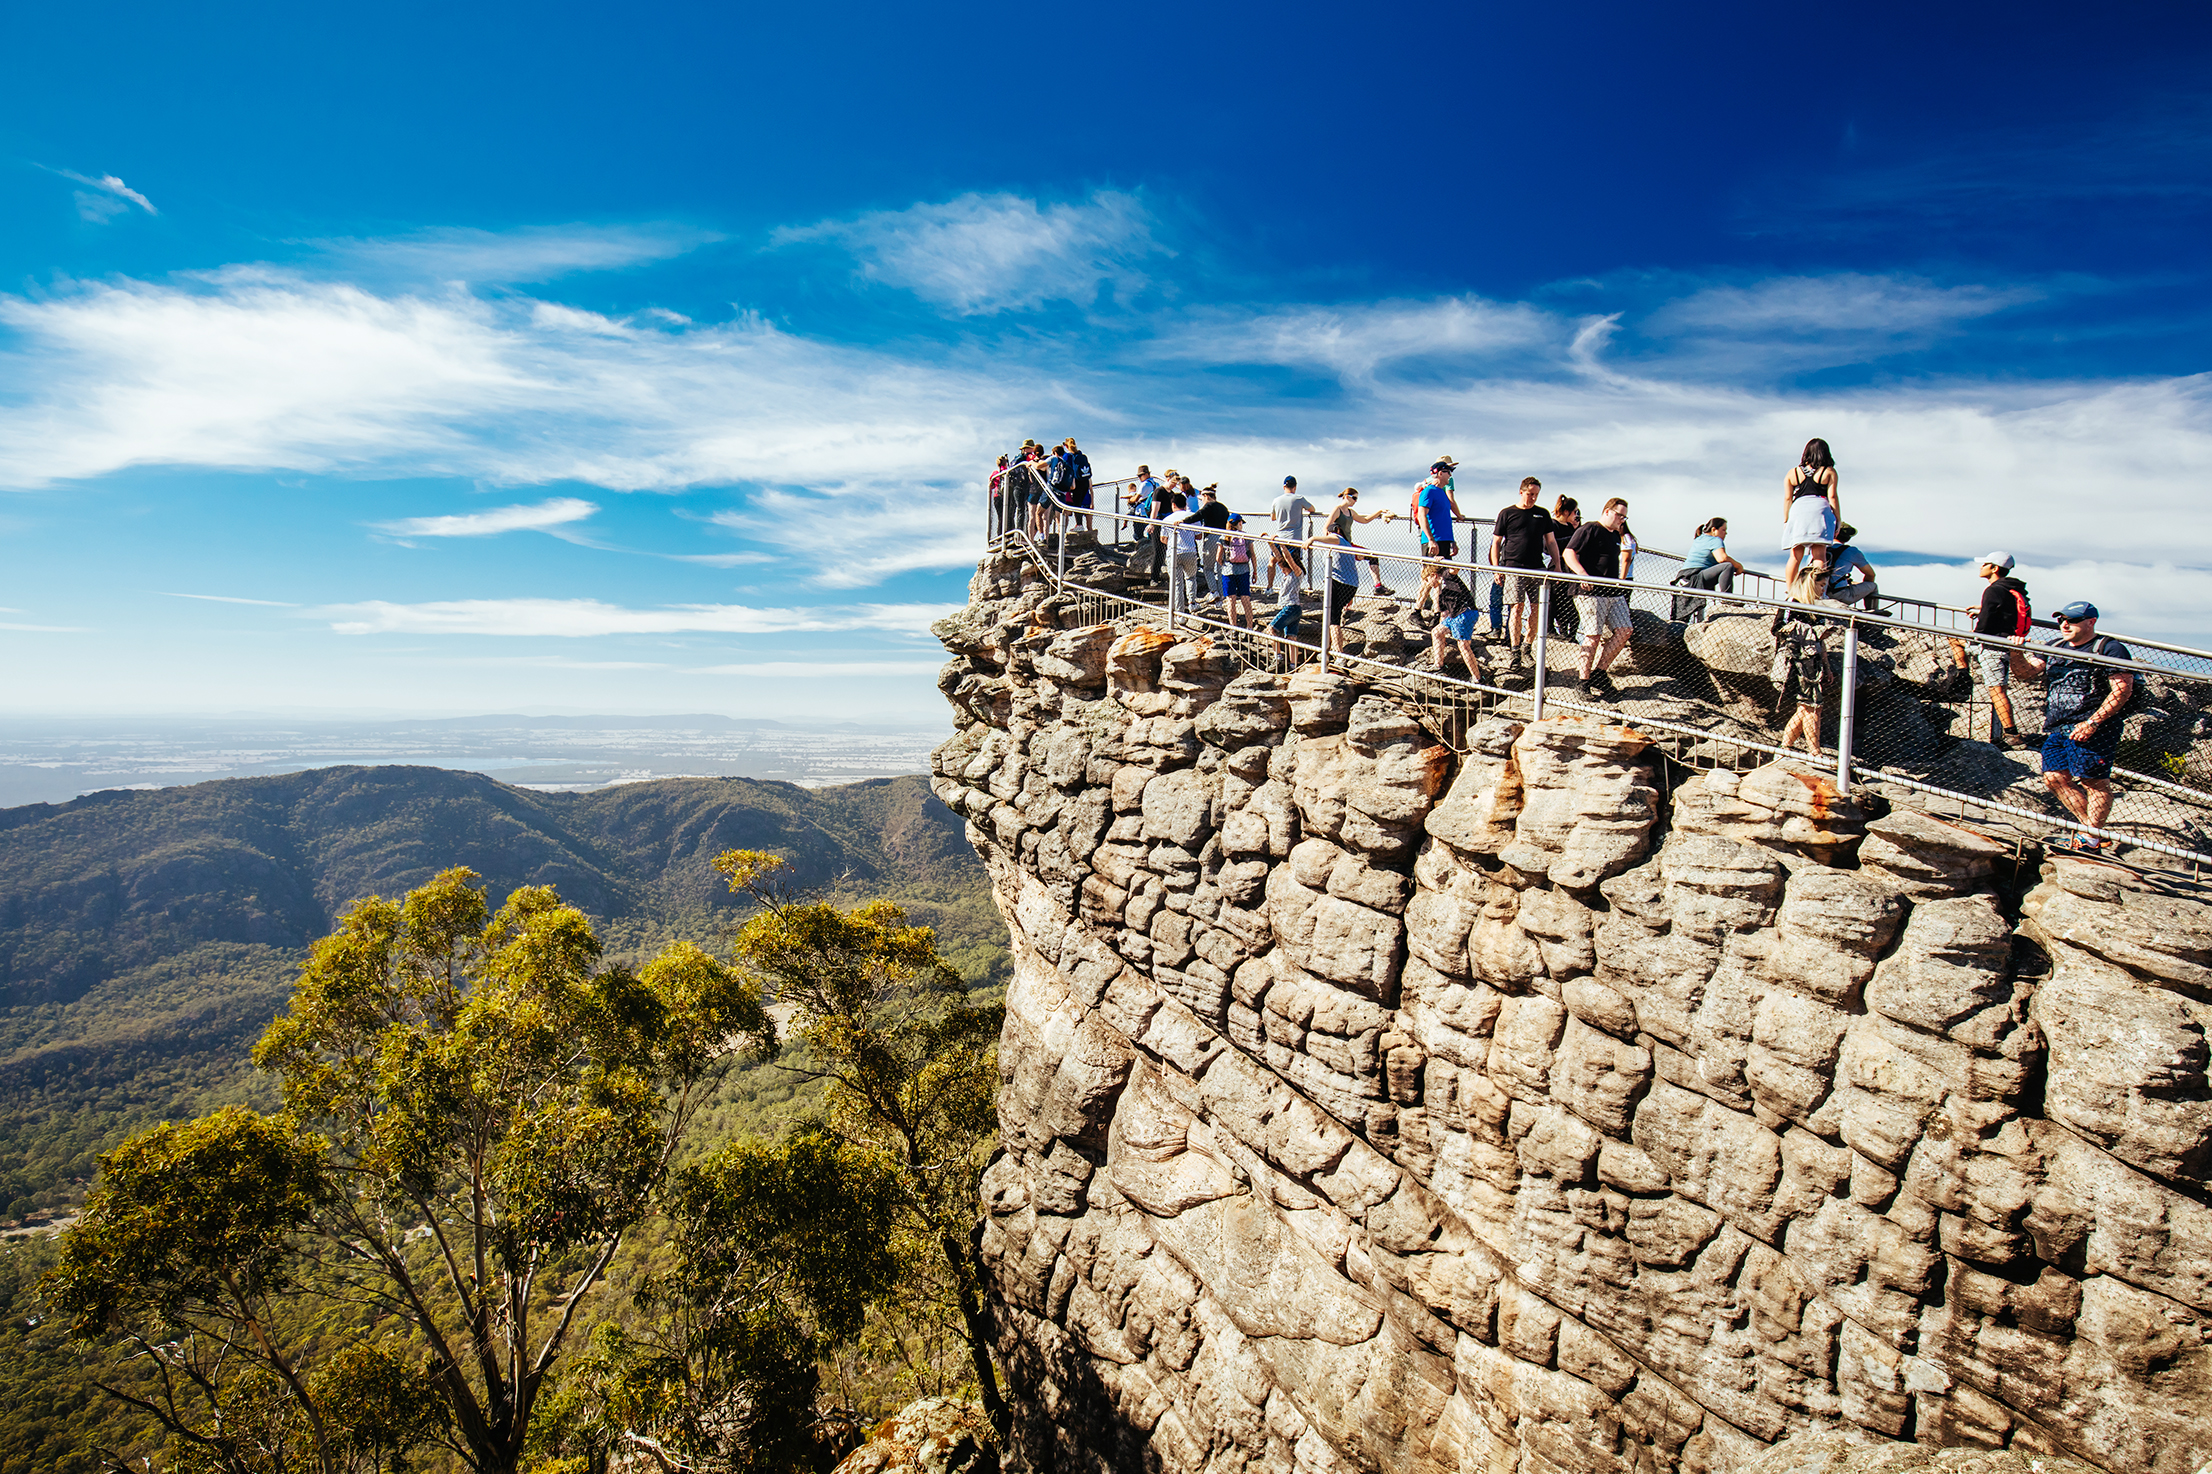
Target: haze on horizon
{"x": 495, "y": 359}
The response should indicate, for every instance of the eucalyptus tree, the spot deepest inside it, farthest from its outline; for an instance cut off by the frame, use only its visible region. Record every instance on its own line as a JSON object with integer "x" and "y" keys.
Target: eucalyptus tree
{"x": 476, "y": 1112}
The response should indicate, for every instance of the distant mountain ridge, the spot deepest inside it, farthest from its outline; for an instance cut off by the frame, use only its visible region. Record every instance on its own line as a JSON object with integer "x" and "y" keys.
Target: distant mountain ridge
{"x": 146, "y": 936}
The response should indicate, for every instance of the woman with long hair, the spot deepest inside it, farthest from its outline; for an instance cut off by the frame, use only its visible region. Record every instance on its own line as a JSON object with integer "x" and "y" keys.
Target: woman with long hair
{"x": 1801, "y": 662}
{"x": 1810, "y": 508}
{"x": 1708, "y": 566}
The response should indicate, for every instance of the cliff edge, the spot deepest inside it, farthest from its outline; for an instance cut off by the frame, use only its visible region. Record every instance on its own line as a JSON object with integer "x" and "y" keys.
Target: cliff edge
{"x": 1533, "y": 1102}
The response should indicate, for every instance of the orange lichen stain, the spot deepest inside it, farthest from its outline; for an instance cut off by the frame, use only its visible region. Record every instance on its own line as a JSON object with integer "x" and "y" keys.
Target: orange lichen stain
{"x": 1823, "y": 792}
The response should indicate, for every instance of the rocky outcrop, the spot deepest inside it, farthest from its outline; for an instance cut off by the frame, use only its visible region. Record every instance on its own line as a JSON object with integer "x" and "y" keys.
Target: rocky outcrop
{"x": 1540, "y": 1104}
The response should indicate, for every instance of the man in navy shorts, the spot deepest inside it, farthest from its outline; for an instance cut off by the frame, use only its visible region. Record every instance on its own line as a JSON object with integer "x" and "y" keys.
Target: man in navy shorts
{"x": 2081, "y": 715}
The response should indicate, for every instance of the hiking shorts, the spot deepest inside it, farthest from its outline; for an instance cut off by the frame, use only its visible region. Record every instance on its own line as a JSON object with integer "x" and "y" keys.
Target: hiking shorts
{"x": 1602, "y": 611}
{"x": 1445, "y": 549}
{"x": 1996, "y": 665}
{"x": 1460, "y": 626}
{"x": 1236, "y": 581}
{"x": 1522, "y": 588}
{"x": 1341, "y": 596}
{"x": 2082, "y": 760}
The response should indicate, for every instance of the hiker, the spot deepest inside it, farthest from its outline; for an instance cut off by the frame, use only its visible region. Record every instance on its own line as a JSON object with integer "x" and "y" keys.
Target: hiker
{"x": 2004, "y": 615}
{"x": 1236, "y": 577}
{"x": 1844, "y": 561}
{"x": 1291, "y": 512}
{"x": 1566, "y": 516}
{"x": 1524, "y": 537}
{"x": 1183, "y": 583}
{"x": 1456, "y": 615}
{"x": 998, "y": 495}
{"x": 1434, "y": 511}
{"x": 1079, "y": 485}
{"x": 1708, "y": 566}
{"x": 1595, "y": 552}
{"x": 2082, "y": 711}
{"x": 1343, "y": 570}
{"x": 1215, "y": 517}
{"x": 1800, "y": 668}
{"x": 1811, "y": 508}
{"x": 1343, "y": 516}
{"x": 1140, "y": 505}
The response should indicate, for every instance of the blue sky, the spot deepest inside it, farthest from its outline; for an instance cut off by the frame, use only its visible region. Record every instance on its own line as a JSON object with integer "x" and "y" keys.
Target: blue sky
{"x": 646, "y": 360}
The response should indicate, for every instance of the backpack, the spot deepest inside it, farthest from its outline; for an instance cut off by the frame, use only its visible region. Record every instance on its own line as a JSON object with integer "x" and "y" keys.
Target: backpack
{"x": 2024, "y": 616}
{"x": 1056, "y": 473}
{"x": 2138, "y": 693}
{"x": 1081, "y": 470}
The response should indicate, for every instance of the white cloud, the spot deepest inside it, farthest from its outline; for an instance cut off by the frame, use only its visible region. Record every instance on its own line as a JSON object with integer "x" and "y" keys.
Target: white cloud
{"x": 577, "y": 618}
{"x": 227, "y": 599}
{"x": 1845, "y": 302}
{"x": 105, "y": 197}
{"x": 1357, "y": 339}
{"x": 2159, "y": 600}
{"x": 546, "y": 516}
{"x": 982, "y": 254}
{"x": 853, "y": 463}
{"x": 495, "y": 257}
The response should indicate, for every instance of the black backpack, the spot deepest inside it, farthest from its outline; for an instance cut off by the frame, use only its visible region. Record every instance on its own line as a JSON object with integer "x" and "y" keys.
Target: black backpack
{"x": 1082, "y": 471}
{"x": 1056, "y": 473}
{"x": 2138, "y": 694}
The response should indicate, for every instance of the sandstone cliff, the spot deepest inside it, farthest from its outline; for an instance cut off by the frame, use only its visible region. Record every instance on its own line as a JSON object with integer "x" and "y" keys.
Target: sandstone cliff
{"x": 1543, "y": 1105}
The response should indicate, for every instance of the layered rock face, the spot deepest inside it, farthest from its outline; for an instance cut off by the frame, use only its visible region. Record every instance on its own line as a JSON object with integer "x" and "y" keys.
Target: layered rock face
{"x": 1369, "y": 1104}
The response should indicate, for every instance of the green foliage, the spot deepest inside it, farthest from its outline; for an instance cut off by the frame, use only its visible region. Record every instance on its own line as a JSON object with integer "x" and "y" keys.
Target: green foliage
{"x": 477, "y": 1078}
{"x": 779, "y": 1249}
{"x": 908, "y": 1061}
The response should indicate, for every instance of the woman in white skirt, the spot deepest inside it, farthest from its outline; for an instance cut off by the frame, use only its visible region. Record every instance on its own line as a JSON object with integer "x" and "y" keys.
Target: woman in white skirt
{"x": 1811, "y": 509}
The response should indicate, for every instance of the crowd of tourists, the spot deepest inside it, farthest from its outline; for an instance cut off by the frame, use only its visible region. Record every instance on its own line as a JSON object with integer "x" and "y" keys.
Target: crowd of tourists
{"x": 1202, "y": 553}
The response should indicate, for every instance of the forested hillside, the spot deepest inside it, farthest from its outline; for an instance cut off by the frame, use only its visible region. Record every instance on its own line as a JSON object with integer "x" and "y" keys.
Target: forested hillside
{"x": 147, "y": 937}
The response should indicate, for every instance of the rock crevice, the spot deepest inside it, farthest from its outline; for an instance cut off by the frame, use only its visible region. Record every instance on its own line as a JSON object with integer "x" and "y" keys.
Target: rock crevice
{"x": 1369, "y": 1104}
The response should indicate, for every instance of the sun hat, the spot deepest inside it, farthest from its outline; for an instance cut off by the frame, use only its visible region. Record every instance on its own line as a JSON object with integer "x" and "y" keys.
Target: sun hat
{"x": 1997, "y": 560}
{"x": 1446, "y": 462}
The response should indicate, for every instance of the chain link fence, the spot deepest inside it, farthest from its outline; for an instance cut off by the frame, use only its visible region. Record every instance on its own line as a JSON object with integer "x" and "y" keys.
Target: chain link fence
{"x": 1901, "y": 700}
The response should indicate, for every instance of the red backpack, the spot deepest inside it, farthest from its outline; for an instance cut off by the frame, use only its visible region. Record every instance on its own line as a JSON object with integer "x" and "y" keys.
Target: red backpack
{"x": 2026, "y": 620}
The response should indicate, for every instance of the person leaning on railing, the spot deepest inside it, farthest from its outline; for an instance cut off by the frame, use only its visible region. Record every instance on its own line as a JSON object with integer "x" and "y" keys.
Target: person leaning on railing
{"x": 2005, "y": 615}
{"x": 2082, "y": 710}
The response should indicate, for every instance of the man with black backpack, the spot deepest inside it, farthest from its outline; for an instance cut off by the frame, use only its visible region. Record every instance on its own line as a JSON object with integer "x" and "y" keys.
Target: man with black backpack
{"x": 2083, "y": 707}
{"x": 2004, "y": 615}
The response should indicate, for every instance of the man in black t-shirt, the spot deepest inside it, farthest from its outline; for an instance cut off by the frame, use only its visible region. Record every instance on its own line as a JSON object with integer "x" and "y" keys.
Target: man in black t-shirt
{"x": 1595, "y": 552}
{"x": 1524, "y": 537}
{"x": 1213, "y": 514}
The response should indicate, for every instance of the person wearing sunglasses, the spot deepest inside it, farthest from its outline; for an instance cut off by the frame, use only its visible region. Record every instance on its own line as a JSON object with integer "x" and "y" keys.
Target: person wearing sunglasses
{"x": 2082, "y": 710}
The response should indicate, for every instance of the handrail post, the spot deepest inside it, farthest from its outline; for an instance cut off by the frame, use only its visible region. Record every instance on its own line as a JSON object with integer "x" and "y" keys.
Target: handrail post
{"x": 1543, "y": 646}
{"x": 1847, "y": 716}
{"x": 1064, "y": 520}
{"x": 1328, "y": 590}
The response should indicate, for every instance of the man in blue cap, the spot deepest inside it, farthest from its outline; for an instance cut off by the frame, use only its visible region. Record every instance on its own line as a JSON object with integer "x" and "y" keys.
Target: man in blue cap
{"x": 2081, "y": 716}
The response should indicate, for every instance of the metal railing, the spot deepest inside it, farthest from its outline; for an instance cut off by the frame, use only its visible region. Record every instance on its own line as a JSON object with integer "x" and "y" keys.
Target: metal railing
{"x": 1875, "y": 696}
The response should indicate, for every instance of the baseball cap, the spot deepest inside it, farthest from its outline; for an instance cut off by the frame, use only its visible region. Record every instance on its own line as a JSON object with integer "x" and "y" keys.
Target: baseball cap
{"x": 1290, "y": 481}
{"x": 1998, "y": 560}
{"x": 2079, "y": 610}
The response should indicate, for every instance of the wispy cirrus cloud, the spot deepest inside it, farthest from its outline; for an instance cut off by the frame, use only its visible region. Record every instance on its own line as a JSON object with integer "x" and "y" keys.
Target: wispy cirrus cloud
{"x": 1355, "y": 340}
{"x": 228, "y": 599}
{"x": 105, "y": 197}
{"x": 487, "y": 257}
{"x": 552, "y": 516}
{"x": 991, "y": 253}
{"x": 579, "y": 618}
{"x": 1848, "y": 301}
